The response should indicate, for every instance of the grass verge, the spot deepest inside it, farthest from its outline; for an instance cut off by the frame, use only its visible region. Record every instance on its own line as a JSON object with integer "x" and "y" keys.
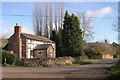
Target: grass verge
{"x": 114, "y": 72}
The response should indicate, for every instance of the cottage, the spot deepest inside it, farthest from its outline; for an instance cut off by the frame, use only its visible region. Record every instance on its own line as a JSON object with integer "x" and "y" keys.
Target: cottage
{"x": 30, "y": 46}
{"x": 43, "y": 51}
{"x": 104, "y": 50}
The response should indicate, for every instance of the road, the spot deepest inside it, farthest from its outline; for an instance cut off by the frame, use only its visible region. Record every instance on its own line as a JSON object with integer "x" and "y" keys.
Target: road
{"x": 94, "y": 70}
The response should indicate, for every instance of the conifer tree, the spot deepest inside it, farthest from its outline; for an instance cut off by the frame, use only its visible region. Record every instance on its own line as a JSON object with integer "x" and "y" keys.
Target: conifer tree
{"x": 72, "y": 39}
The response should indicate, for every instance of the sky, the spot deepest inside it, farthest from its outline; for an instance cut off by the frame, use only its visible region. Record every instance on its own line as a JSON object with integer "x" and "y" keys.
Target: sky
{"x": 105, "y": 14}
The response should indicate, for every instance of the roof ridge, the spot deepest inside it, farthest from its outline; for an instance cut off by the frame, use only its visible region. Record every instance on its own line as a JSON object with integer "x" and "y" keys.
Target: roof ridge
{"x": 32, "y": 36}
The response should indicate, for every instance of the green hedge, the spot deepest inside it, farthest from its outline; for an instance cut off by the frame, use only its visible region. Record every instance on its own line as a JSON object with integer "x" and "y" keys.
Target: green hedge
{"x": 7, "y": 57}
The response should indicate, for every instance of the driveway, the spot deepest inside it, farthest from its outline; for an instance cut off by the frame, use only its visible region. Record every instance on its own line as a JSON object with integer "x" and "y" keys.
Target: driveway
{"x": 88, "y": 71}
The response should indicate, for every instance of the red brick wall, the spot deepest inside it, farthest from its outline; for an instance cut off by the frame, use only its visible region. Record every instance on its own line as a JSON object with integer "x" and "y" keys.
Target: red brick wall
{"x": 14, "y": 45}
{"x": 15, "y": 42}
{"x": 24, "y": 47}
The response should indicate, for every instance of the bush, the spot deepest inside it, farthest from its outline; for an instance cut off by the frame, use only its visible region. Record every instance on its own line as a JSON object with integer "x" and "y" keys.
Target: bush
{"x": 8, "y": 58}
{"x": 89, "y": 52}
{"x": 64, "y": 61}
{"x": 27, "y": 63}
{"x": 48, "y": 63}
{"x": 114, "y": 71}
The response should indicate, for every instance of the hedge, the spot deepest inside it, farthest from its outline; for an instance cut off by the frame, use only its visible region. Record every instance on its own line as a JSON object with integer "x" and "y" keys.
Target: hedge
{"x": 7, "y": 57}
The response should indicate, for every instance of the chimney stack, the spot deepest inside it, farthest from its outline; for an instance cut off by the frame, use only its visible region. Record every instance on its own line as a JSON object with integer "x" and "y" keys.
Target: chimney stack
{"x": 17, "y": 30}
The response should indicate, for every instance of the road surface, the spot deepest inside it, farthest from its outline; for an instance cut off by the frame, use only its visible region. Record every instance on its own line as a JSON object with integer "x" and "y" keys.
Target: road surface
{"x": 94, "y": 70}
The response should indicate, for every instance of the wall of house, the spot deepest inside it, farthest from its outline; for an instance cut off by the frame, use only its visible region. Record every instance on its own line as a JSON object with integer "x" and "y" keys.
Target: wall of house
{"x": 40, "y": 54}
{"x": 32, "y": 44}
{"x": 107, "y": 56}
{"x": 15, "y": 42}
{"x": 14, "y": 45}
{"x": 50, "y": 52}
{"x": 24, "y": 47}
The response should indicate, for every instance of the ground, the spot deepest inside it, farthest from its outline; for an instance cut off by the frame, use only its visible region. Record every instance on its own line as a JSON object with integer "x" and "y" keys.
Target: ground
{"x": 96, "y": 70}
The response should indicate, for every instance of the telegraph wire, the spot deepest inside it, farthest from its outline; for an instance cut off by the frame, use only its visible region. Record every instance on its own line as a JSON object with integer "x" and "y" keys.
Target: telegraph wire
{"x": 52, "y": 16}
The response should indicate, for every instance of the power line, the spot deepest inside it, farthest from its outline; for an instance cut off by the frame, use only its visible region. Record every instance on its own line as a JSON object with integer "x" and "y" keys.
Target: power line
{"x": 53, "y": 16}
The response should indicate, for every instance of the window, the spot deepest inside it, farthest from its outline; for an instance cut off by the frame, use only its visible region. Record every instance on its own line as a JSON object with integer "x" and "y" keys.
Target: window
{"x": 39, "y": 53}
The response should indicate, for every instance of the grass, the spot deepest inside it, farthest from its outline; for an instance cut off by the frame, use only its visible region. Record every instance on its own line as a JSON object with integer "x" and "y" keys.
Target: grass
{"x": 114, "y": 71}
{"x": 95, "y": 60}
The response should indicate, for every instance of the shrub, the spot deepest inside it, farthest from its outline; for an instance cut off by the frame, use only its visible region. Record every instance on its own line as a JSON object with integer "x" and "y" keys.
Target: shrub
{"x": 64, "y": 60}
{"x": 27, "y": 63}
{"x": 89, "y": 52}
{"x": 8, "y": 57}
{"x": 115, "y": 71}
{"x": 47, "y": 63}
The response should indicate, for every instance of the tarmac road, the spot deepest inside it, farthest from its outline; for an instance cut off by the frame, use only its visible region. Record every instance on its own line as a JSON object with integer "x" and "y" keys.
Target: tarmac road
{"x": 88, "y": 71}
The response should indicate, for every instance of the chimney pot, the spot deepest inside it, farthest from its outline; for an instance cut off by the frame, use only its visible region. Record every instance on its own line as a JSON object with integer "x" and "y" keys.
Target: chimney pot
{"x": 16, "y": 24}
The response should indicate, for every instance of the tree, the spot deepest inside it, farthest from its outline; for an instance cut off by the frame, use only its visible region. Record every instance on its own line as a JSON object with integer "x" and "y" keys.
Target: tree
{"x": 116, "y": 48}
{"x": 72, "y": 39}
{"x": 37, "y": 19}
{"x": 116, "y": 26}
{"x": 86, "y": 26}
{"x": 59, "y": 14}
{"x": 51, "y": 21}
{"x": 46, "y": 34}
{"x": 43, "y": 18}
{"x": 56, "y": 38}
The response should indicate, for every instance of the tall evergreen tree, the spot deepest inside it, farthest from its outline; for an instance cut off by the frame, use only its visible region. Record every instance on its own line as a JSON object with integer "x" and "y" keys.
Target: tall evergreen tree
{"x": 56, "y": 38}
{"x": 72, "y": 39}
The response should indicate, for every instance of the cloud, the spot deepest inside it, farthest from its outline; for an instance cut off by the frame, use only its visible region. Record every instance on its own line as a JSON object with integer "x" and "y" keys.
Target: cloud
{"x": 99, "y": 13}
{"x": 25, "y": 29}
{"x": 8, "y": 32}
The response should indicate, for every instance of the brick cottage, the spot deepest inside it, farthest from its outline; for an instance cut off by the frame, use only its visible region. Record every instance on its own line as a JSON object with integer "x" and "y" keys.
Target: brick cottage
{"x": 30, "y": 46}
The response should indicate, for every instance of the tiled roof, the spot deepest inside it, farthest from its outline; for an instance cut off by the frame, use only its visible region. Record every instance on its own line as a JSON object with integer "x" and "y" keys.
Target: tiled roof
{"x": 34, "y": 37}
{"x": 43, "y": 46}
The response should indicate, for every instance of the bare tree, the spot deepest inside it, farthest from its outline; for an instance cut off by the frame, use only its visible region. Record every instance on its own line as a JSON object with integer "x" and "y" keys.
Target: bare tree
{"x": 43, "y": 18}
{"x": 55, "y": 17}
{"x": 51, "y": 19}
{"x": 37, "y": 18}
{"x": 62, "y": 13}
{"x": 86, "y": 26}
{"x": 59, "y": 14}
{"x": 46, "y": 20}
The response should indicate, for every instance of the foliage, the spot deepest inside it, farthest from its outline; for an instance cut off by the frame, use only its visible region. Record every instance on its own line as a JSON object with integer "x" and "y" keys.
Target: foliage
{"x": 116, "y": 48}
{"x": 72, "y": 39}
{"x": 114, "y": 71}
{"x": 8, "y": 57}
{"x": 89, "y": 52}
{"x": 56, "y": 38}
{"x": 27, "y": 63}
{"x": 102, "y": 48}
